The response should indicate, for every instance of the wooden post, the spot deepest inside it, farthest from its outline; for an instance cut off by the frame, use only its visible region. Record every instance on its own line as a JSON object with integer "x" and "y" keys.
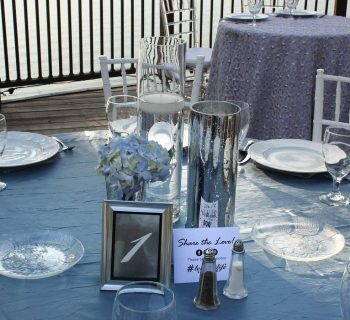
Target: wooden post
{"x": 340, "y": 7}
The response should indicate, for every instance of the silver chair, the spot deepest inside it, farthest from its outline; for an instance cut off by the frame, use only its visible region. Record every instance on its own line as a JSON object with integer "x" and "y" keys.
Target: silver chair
{"x": 179, "y": 19}
{"x": 319, "y": 120}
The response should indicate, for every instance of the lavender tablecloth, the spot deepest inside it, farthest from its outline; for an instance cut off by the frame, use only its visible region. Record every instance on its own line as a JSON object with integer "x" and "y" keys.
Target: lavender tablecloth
{"x": 273, "y": 67}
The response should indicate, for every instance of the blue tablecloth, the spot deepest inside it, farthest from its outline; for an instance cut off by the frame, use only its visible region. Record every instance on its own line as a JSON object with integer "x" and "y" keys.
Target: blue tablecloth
{"x": 273, "y": 67}
{"x": 65, "y": 194}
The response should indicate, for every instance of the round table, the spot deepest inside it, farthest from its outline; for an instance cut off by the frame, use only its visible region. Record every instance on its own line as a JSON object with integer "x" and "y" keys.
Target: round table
{"x": 273, "y": 67}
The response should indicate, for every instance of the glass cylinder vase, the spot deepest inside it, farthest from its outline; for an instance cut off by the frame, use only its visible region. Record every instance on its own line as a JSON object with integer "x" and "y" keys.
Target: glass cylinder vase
{"x": 212, "y": 168}
{"x": 161, "y": 72}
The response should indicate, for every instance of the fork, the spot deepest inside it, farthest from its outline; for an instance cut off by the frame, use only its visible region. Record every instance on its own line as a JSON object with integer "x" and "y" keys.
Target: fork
{"x": 64, "y": 147}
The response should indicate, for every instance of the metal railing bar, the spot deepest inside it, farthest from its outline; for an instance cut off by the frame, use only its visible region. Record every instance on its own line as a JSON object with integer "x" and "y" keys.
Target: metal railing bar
{"x": 142, "y": 18}
{"x": 48, "y": 29}
{"x": 101, "y": 28}
{"x": 153, "y": 17}
{"x": 122, "y": 49}
{"x": 59, "y": 38}
{"x": 91, "y": 22}
{"x": 26, "y": 32}
{"x": 201, "y": 24}
{"x": 4, "y": 31}
{"x": 70, "y": 44}
{"x": 211, "y": 23}
{"x": 178, "y": 10}
{"x": 81, "y": 48}
{"x": 38, "y": 39}
{"x": 132, "y": 12}
{"x": 112, "y": 30}
{"x": 15, "y": 31}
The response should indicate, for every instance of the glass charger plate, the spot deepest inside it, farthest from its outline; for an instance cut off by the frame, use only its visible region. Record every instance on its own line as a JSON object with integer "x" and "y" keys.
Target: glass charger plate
{"x": 298, "y": 238}
{"x": 296, "y": 13}
{"x": 245, "y": 16}
{"x": 38, "y": 255}
{"x": 26, "y": 148}
{"x": 289, "y": 155}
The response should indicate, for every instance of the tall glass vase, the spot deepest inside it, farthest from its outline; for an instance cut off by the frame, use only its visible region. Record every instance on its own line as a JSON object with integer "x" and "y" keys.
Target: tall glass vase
{"x": 161, "y": 76}
{"x": 212, "y": 168}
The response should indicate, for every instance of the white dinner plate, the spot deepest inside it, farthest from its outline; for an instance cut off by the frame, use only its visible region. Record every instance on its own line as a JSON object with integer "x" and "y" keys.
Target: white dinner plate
{"x": 298, "y": 238}
{"x": 26, "y": 148}
{"x": 290, "y": 155}
{"x": 161, "y": 132}
{"x": 297, "y": 13}
{"x": 245, "y": 16}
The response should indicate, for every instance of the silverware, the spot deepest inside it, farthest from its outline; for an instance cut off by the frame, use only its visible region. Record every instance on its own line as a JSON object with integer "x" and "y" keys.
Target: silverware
{"x": 244, "y": 155}
{"x": 63, "y": 146}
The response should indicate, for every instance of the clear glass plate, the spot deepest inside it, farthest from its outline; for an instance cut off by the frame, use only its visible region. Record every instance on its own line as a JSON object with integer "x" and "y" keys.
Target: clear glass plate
{"x": 298, "y": 238}
{"x": 38, "y": 255}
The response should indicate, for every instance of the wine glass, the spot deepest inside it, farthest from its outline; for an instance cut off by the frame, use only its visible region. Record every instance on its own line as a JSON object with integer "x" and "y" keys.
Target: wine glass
{"x": 345, "y": 293}
{"x": 121, "y": 113}
{"x": 254, "y": 6}
{"x": 3, "y": 136}
{"x": 291, "y": 5}
{"x": 336, "y": 151}
{"x": 244, "y": 117}
{"x": 144, "y": 300}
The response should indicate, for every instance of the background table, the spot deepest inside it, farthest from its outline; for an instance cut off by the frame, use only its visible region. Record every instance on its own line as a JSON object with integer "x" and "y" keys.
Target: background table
{"x": 66, "y": 194}
{"x": 273, "y": 67}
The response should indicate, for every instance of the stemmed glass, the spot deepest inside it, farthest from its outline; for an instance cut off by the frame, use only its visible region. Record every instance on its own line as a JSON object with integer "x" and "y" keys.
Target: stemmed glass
{"x": 254, "y": 7}
{"x": 144, "y": 300}
{"x": 336, "y": 151}
{"x": 291, "y": 5}
{"x": 345, "y": 293}
{"x": 3, "y": 136}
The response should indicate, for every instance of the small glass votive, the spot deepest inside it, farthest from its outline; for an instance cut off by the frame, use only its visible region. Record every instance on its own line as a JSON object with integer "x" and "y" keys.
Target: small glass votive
{"x": 122, "y": 111}
{"x": 144, "y": 300}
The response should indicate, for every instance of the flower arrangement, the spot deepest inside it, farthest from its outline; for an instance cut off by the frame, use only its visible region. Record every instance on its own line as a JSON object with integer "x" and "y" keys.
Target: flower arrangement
{"x": 129, "y": 162}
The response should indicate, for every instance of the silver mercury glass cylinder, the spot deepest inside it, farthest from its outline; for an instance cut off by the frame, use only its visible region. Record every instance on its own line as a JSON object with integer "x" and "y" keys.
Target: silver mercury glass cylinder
{"x": 212, "y": 168}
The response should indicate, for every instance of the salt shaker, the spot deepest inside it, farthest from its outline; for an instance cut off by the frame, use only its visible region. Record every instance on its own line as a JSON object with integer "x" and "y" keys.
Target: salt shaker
{"x": 235, "y": 287}
{"x": 207, "y": 297}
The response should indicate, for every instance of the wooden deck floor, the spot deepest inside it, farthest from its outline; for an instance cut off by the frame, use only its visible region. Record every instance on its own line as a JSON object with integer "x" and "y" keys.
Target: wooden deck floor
{"x": 59, "y": 113}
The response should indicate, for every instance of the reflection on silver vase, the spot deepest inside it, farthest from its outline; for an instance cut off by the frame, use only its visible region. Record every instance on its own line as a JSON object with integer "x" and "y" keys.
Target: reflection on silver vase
{"x": 212, "y": 169}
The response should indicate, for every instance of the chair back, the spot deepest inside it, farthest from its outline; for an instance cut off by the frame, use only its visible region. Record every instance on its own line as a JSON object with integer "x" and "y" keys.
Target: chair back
{"x": 104, "y": 65}
{"x": 319, "y": 120}
{"x": 179, "y": 19}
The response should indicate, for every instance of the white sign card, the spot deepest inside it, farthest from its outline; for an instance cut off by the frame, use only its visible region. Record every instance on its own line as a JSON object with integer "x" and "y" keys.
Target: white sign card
{"x": 189, "y": 245}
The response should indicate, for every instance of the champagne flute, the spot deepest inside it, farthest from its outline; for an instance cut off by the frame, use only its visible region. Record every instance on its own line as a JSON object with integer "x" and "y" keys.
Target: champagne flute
{"x": 254, "y": 7}
{"x": 144, "y": 300}
{"x": 291, "y": 5}
{"x": 3, "y": 136}
{"x": 345, "y": 293}
{"x": 336, "y": 151}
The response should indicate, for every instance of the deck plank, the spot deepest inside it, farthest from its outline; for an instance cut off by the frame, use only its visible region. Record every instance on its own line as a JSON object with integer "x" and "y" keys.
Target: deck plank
{"x": 60, "y": 113}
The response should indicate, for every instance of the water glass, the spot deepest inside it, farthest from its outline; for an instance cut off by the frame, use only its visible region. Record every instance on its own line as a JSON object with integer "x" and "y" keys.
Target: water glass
{"x": 121, "y": 113}
{"x": 3, "y": 137}
{"x": 161, "y": 71}
{"x": 254, "y": 7}
{"x": 345, "y": 293}
{"x": 336, "y": 152}
{"x": 144, "y": 300}
{"x": 291, "y": 5}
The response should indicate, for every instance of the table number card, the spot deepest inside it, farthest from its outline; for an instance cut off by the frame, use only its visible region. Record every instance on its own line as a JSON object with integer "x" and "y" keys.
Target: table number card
{"x": 189, "y": 245}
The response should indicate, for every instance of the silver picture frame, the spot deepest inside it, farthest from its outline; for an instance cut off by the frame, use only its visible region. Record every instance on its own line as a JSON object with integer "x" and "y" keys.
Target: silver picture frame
{"x": 136, "y": 243}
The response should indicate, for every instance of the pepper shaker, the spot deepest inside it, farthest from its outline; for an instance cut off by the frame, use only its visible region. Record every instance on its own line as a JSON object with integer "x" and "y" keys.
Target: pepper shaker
{"x": 235, "y": 287}
{"x": 207, "y": 297}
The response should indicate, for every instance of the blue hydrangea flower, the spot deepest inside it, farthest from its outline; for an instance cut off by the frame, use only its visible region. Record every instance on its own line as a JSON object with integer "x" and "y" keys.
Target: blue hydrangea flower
{"x": 129, "y": 162}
